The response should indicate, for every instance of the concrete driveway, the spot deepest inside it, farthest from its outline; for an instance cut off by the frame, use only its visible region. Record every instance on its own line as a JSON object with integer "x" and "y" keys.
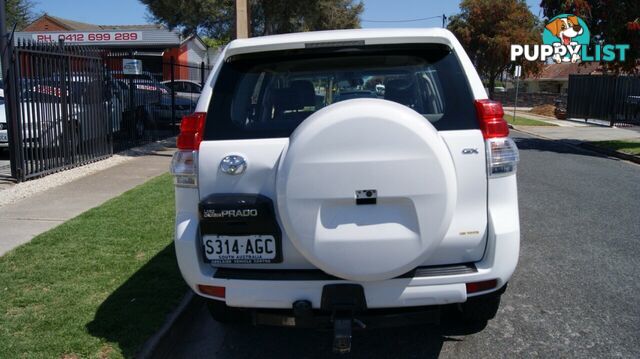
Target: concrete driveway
{"x": 574, "y": 293}
{"x": 5, "y": 169}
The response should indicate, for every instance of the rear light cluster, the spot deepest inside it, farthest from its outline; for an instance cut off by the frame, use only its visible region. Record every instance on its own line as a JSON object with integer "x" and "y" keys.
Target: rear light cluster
{"x": 185, "y": 160}
{"x": 502, "y": 153}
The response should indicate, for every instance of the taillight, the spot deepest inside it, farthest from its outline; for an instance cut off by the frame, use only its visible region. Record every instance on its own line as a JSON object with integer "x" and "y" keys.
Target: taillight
{"x": 184, "y": 163}
{"x": 502, "y": 153}
{"x": 491, "y": 118}
{"x": 191, "y": 128}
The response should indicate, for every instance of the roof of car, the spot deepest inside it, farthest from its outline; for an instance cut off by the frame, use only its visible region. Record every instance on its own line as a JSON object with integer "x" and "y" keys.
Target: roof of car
{"x": 334, "y": 38}
{"x": 181, "y": 80}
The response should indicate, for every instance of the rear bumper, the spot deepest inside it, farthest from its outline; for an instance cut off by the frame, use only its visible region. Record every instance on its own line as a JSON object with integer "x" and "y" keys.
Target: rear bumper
{"x": 419, "y": 290}
{"x": 498, "y": 263}
{"x": 394, "y": 293}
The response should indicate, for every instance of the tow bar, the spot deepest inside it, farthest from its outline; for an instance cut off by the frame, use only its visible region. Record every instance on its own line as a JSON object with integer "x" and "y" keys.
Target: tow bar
{"x": 343, "y": 301}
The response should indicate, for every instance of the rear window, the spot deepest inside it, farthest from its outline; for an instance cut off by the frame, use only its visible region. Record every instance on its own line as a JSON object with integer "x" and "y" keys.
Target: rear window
{"x": 267, "y": 95}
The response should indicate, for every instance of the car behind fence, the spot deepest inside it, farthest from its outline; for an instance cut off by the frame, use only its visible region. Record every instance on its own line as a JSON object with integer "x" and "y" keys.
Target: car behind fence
{"x": 606, "y": 97}
{"x": 70, "y": 105}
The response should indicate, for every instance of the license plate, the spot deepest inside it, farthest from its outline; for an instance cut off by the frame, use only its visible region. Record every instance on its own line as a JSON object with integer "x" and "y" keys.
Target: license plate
{"x": 240, "y": 249}
{"x": 3, "y": 137}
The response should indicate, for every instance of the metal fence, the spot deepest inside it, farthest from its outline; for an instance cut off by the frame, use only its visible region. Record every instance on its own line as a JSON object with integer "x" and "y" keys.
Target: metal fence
{"x": 152, "y": 102}
{"x": 611, "y": 98}
{"x": 58, "y": 108}
{"x": 70, "y": 105}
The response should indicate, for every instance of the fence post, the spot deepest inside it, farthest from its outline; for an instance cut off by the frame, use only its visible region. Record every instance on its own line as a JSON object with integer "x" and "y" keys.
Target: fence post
{"x": 112, "y": 109}
{"x": 7, "y": 58}
{"x": 173, "y": 93}
{"x": 202, "y": 74}
{"x": 67, "y": 126}
{"x": 612, "y": 108}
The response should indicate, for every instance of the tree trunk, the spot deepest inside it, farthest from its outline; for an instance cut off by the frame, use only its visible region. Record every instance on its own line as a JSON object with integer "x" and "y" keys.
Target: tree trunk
{"x": 492, "y": 84}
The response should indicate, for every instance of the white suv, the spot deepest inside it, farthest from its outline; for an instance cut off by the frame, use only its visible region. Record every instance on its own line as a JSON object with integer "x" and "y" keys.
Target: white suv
{"x": 306, "y": 196}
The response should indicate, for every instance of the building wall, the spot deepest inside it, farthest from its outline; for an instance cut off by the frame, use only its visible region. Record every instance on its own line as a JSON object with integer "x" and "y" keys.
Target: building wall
{"x": 526, "y": 99}
{"x": 44, "y": 24}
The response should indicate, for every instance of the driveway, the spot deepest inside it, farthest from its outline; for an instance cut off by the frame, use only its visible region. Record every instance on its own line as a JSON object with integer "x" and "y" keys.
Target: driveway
{"x": 5, "y": 169}
{"x": 574, "y": 293}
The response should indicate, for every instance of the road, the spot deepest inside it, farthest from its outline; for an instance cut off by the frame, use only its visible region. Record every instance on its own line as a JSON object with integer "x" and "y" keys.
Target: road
{"x": 574, "y": 294}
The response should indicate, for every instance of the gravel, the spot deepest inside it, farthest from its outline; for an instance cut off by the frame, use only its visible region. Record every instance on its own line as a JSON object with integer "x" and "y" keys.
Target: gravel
{"x": 29, "y": 188}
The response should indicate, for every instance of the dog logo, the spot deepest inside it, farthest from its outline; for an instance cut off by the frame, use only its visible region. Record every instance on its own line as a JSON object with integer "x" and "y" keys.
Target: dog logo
{"x": 566, "y": 30}
{"x": 566, "y": 38}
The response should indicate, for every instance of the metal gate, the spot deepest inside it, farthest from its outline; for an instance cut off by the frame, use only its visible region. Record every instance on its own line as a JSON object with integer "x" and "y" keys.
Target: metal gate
{"x": 154, "y": 101}
{"x": 58, "y": 108}
{"x": 612, "y": 98}
{"x": 69, "y": 105}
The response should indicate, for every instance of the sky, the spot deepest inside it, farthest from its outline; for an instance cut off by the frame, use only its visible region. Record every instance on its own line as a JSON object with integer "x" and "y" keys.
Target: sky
{"x": 129, "y": 12}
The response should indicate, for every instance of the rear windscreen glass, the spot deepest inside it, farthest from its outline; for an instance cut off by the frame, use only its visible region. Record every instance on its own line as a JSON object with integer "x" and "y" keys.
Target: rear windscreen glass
{"x": 269, "y": 94}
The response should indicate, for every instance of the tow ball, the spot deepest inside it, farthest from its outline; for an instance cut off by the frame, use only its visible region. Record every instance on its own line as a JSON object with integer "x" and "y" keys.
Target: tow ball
{"x": 343, "y": 322}
{"x": 343, "y": 301}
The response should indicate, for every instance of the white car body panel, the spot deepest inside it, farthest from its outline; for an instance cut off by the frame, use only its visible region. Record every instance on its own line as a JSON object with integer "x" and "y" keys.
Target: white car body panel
{"x": 484, "y": 228}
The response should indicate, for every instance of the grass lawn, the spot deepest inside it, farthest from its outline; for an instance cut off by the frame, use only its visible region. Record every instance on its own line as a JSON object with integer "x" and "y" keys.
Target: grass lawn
{"x": 521, "y": 121}
{"x": 96, "y": 286}
{"x": 629, "y": 146}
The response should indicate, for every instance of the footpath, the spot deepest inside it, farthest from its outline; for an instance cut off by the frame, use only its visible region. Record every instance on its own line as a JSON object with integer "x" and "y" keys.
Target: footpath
{"x": 23, "y": 219}
{"x": 581, "y": 133}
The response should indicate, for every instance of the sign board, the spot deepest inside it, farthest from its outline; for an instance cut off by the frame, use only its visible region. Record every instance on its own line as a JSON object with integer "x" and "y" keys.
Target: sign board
{"x": 131, "y": 66}
{"x": 89, "y": 36}
{"x": 518, "y": 71}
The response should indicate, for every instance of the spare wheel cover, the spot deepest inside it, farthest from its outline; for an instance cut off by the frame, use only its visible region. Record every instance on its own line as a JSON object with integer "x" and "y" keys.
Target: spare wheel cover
{"x": 366, "y": 144}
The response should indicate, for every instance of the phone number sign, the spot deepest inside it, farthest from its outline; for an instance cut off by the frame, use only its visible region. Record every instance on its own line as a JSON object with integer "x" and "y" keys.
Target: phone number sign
{"x": 89, "y": 37}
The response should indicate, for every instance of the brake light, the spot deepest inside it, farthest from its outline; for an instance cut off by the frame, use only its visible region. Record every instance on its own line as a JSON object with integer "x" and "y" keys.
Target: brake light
{"x": 185, "y": 160}
{"x": 191, "y": 128}
{"x": 491, "y": 118}
{"x": 502, "y": 152}
{"x": 475, "y": 287}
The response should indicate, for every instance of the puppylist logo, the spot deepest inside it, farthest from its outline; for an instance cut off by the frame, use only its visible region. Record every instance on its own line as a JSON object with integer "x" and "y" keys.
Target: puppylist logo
{"x": 566, "y": 38}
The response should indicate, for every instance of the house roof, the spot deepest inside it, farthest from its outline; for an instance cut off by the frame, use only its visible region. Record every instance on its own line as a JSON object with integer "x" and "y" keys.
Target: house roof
{"x": 562, "y": 71}
{"x": 73, "y": 25}
{"x": 196, "y": 39}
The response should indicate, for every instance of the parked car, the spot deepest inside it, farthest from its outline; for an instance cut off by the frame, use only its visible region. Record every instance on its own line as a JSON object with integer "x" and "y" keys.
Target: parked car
{"x": 560, "y": 111}
{"x": 47, "y": 119}
{"x": 4, "y": 139}
{"x": 152, "y": 100}
{"x": 297, "y": 212}
{"x": 186, "y": 89}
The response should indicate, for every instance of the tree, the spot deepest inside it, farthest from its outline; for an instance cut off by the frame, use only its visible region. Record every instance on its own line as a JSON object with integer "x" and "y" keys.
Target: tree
{"x": 610, "y": 22}
{"x": 487, "y": 28}
{"x": 216, "y": 18}
{"x": 19, "y": 12}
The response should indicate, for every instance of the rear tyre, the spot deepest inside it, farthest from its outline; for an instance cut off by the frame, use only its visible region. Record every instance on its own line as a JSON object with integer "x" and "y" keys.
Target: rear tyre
{"x": 482, "y": 308}
{"x": 224, "y": 314}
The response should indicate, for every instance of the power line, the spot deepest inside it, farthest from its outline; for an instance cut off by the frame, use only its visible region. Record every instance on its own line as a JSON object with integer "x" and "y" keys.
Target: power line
{"x": 407, "y": 20}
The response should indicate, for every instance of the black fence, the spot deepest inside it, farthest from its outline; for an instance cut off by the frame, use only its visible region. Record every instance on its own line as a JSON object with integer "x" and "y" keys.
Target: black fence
{"x": 611, "y": 98}
{"x": 58, "y": 108}
{"x": 70, "y": 105}
{"x": 152, "y": 102}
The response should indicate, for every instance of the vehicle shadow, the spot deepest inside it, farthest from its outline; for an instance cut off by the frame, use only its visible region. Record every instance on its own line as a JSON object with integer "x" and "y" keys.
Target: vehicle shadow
{"x": 137, "y": 309}
{"x": 205, "y": 338}
{"x": 525, "y": 142}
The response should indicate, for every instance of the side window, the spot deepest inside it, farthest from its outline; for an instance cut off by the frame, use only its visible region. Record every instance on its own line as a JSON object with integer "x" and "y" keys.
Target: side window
{"x": 181, "y": 87}
{"x": 430, "y": 91}
{"x": 193, "y": 88}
